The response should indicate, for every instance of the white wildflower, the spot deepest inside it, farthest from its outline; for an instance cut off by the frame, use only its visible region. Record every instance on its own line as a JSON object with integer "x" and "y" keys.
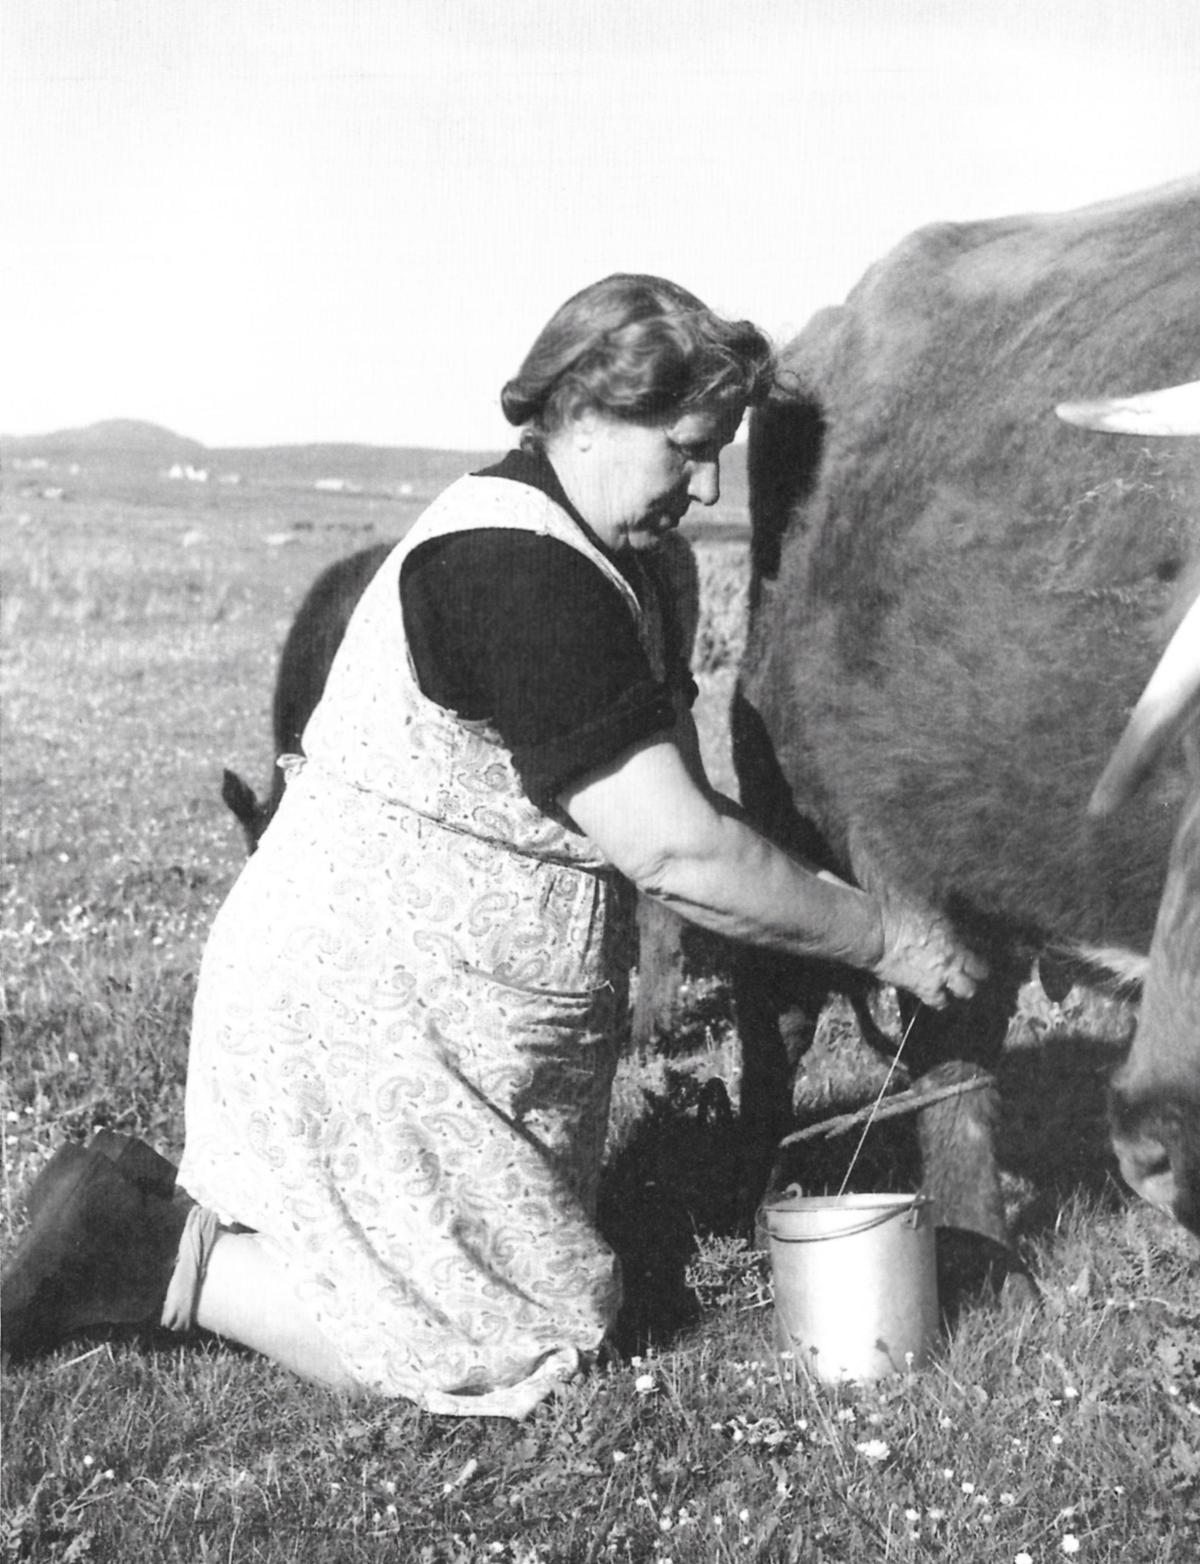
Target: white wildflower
{"x": 874, "y": 1449}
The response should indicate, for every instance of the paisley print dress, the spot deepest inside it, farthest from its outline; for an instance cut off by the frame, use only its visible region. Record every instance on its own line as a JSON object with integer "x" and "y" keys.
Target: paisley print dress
{"x": 408, "y": 1018}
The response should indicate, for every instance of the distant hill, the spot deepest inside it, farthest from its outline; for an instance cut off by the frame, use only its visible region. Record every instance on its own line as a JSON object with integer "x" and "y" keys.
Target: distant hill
{"x": 134, "y": 443}
{"x": 131, "y": 451}
{"x": 112, "y": 436}
{"x": 370, "y": 467}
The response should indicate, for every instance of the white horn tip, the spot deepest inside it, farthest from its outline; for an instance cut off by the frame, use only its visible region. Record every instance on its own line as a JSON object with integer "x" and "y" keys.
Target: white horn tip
{"x": 1175, "y": 410}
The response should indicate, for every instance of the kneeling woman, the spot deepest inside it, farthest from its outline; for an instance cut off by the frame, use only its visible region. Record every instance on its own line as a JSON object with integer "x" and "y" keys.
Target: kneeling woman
{"x": 411, "y": 1005}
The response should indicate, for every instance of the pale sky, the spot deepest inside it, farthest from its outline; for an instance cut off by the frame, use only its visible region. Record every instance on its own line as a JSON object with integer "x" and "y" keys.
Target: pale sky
{"x": 261, "y": 221}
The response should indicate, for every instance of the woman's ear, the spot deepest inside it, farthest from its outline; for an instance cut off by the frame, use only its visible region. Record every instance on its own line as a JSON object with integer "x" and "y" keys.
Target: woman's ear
{"x": 580, "y": 425}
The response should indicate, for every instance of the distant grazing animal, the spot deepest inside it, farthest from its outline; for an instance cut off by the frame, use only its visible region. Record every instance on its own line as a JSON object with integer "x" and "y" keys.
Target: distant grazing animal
{"x": 1155, "y": 1097}
{"x": 955, "y": 600}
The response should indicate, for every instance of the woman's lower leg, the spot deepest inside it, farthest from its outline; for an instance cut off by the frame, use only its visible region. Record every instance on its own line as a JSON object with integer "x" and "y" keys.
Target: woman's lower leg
{"x": 247, "y": 1297}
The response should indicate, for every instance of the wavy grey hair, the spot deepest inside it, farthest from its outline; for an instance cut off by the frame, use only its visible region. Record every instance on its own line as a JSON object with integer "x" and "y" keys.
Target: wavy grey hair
{"x": 636, "y": 348}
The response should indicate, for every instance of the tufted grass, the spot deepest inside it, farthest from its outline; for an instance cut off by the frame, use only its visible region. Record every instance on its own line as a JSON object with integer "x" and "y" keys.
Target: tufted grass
{"x": 138, "y": 663}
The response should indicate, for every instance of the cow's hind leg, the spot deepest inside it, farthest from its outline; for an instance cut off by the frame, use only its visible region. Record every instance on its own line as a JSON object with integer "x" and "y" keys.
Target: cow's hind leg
{"x": 778, "y": 1003}
{"x": 241, "y": 799}
{"x": 961, "y": 1047}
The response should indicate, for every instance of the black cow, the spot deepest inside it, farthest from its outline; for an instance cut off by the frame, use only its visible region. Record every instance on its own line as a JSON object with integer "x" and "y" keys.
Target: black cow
{"x": 314, "y": 636}
{"x": 955, "y": 601}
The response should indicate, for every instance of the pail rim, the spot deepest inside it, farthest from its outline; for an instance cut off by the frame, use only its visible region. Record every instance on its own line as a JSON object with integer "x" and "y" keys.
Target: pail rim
{"x": 792, "y": 1200}
{"x": 865, "y": 1212}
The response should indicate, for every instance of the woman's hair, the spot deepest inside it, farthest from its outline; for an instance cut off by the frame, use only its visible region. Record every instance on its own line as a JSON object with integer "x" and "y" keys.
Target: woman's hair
{"x": 639, "y": 349}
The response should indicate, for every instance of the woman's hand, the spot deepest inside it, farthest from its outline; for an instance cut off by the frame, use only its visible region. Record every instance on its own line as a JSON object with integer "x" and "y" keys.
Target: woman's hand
{"x": 922, "y": 953}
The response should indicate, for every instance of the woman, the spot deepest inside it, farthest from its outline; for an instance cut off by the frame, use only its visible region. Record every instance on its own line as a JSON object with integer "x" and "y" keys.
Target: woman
{"x": 411, "y": 1005}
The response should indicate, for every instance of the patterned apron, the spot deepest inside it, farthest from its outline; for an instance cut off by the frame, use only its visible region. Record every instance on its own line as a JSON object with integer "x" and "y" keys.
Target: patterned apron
{"x": 409, "y": 1013}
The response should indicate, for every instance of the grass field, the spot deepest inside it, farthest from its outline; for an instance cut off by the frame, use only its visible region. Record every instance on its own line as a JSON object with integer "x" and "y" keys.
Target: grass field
{"x": 141, "y": 620}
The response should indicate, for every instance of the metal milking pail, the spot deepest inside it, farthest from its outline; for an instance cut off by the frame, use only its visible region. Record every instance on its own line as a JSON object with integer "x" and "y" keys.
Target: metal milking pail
{"x": 855, "y": 1281}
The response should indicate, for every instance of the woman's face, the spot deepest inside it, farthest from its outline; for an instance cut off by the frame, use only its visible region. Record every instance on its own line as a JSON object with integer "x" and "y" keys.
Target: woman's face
{"x": 644, "y": 476}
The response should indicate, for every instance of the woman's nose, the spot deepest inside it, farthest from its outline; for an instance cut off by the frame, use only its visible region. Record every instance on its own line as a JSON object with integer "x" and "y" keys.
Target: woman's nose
{"x": 704, "y": 483}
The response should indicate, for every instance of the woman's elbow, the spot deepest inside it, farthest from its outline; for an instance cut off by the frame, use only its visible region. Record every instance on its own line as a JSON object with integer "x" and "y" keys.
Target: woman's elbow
{"x": 668, "y": 871}
{"x": 651, "y": 874}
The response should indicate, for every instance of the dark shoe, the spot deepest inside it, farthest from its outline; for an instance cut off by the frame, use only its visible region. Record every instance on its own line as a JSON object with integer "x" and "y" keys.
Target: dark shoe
{"x": 99, "y": 1250}
{"x": 139, "y": 1163}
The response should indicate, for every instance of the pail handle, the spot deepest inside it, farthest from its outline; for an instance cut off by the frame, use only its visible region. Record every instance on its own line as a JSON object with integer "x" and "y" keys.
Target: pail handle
{"x": 909, "y": 1215}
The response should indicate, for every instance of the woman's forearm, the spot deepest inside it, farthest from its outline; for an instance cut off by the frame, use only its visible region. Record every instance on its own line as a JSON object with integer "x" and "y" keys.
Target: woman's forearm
{"x": 745, "y": 888}
{"x": 684, "y": 845}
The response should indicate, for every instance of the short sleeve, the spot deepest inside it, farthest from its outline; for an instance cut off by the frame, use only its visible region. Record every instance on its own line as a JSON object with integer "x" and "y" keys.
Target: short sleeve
{"x": 524, "y": 631}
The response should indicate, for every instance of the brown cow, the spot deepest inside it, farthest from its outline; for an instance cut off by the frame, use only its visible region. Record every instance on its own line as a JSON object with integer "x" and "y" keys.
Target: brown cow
{"x": 955, "y": 601}
{"x": 1155, "y": 1098}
